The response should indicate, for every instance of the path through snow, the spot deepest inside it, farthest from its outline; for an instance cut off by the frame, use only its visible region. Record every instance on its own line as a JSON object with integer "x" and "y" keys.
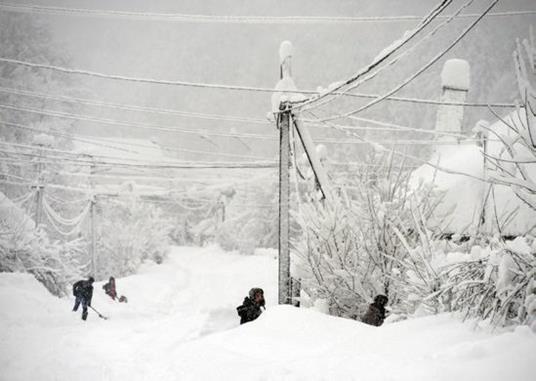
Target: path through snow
{"x": 181, "y": 324}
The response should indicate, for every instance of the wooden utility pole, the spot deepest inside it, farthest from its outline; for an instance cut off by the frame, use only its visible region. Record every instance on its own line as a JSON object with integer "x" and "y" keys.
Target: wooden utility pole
{"x": 39, "y": 189}
{"x": 283, "y": 113}
{"x": 286, "y": 119}
{"x": 93, "y": 201}
{"x": 283, "y": 123}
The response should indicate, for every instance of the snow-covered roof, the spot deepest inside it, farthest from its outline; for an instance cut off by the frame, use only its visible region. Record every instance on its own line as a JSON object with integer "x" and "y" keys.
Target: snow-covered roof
{"x": 464, "y": 196}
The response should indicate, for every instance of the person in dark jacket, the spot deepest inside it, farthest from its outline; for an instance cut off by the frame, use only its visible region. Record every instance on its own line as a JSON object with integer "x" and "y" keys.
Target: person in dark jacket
{"x": 109, "y": 288}
{"x": 251, "y": 307}
{"x": 376, "y": 312}
{"x": 83, "y": 292}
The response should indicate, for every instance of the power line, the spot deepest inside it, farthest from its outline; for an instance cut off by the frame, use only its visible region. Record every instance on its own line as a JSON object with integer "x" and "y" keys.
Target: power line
{"x": 122, "y": 106}
{"x": 227, "y": 19}
{"x": 131, "y": 124}
{"x": 153, "y": 127}
{"x": 245, "y": 88}
{"x": 121, "y": 147}
{"x": 422, "y": 69}
{"x": 241, "y": 135}
{"x": 176, "y": 112}
{"x": 61, "y": 159}
{"x": 383, "y": 56}
{"x": 356, "y": 81}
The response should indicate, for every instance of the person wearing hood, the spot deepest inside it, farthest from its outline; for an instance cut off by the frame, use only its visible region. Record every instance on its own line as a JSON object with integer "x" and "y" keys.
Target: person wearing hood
{"x": 83, "y": 292}
{"x": 109, "y": 288}
{"x": 375, "y": 314}
{"x": 251, "y": 307}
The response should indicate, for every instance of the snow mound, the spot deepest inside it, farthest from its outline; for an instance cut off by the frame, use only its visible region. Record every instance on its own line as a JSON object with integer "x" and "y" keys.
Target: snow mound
{"x": 181, "y": 324}
{"x": 23, "y": 300}
{"x": 464, "y": 193}
{"x": 299, "y": 344}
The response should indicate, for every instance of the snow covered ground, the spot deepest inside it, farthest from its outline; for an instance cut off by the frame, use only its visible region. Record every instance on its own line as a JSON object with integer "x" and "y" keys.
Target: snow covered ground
{"x": 181, "y": 324}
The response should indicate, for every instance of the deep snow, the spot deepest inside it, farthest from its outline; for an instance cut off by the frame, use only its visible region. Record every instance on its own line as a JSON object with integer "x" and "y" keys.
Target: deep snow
{"x": 181, "y": 324}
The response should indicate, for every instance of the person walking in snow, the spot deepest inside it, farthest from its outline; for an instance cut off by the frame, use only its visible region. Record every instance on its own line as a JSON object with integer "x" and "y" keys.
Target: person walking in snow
{"x": 109, "y": 288}
{"x": 375, "y": 314}
{"x": 83, "y": 292}
{"x": 251, "y": 307}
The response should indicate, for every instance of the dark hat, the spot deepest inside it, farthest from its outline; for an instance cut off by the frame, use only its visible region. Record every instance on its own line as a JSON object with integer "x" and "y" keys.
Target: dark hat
{"x": 255, "y": 290}
{"x": 381, "y": 300}
{"x": 91, "y": 279}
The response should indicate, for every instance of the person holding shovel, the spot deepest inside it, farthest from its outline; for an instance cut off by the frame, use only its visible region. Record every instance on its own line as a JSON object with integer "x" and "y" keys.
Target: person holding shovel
{"x": 83, "y": 292}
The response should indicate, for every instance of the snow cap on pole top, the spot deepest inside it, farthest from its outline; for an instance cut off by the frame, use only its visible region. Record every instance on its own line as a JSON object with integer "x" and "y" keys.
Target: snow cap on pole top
{"x": 285, "y": 50}
{"x": 455, "y": 74}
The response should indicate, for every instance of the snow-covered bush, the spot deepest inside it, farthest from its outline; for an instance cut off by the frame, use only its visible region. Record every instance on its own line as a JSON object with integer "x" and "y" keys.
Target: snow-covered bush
{"x": 375, "y": 242}
{"x": 515, "y": 164}
{"x": 496, "y": 282}
{"x": 56, "y": 264}
{"x": 129, "y": 233}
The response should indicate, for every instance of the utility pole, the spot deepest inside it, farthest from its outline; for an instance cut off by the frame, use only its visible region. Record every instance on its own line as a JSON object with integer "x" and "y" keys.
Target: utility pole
{"x": 283, "y": 124}
{"x": 286, "y": 119}
{"x": 482, "y": 127}
{"x": 282, "y": 110}
{"x": 93, "y": 201}
{"x": 39, "y": 188}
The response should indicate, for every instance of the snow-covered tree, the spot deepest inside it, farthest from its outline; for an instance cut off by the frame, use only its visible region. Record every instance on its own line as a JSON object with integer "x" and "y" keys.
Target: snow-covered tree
{"x": 23, "y": 248}
{"x": 129, "y": 232}
{"x": 515, "y": 164}
{"x": 375, "y": 242}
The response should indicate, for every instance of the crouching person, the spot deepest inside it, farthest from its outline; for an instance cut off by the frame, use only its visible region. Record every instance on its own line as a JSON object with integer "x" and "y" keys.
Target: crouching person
{"x": 109, "y": 288}
{"x": 251, "y": 307}
{"x": 83, "y": 292}
{"x": 376, "y": 311}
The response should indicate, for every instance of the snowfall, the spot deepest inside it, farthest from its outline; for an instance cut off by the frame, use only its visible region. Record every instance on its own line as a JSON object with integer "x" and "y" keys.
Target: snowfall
{"x": 180, "y": 323}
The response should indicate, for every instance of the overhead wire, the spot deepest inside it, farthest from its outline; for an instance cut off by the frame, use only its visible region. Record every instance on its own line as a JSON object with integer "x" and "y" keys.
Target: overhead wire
{"x": 369, "y": 76}
{"x": 376, "y": 64}
{"x": 123, "y": 145}
{"x": 227, "y": 19}
{"x": 214, "y": 165}
{"x": 241, "y": 88}
{"x": 422, "y": 69}
{"x": 153, "y": 127}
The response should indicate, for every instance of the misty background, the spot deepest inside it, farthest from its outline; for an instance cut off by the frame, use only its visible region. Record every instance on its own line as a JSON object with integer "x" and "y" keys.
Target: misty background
{"x": 247, "y": 55}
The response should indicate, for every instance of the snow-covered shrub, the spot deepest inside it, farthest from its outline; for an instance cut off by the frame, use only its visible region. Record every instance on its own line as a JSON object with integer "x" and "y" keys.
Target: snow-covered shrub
{"x": 372, "y": 241}
{"x": 515, "y": 164}
{"x": 56, "y": 264}
{"x": 129, "y": 233}
{"x": 496, "y": 282}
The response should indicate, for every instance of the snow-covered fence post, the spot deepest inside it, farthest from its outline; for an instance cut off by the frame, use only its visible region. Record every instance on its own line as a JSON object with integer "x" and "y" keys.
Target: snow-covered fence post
{"x": 455, "y": 83}
{"x": 281, "y": 108}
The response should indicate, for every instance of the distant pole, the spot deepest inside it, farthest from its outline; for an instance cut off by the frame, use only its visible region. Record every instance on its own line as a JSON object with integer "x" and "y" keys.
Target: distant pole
{"x": 93, "y": 202}
{"x": 40, "y": 188}
{"x": 481, "y": 127}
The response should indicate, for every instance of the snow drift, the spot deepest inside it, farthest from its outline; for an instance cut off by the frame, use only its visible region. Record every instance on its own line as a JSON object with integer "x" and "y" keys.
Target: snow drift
{"x": 180, "y": 324}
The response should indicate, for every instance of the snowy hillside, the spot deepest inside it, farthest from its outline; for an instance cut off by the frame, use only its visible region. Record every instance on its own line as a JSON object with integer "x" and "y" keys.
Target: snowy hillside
{"x": 181, "y": 324}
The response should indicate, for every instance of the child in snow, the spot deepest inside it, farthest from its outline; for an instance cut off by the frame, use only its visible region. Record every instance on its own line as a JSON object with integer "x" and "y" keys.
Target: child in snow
{"x": 83, "y": 292}
{"x": 376, "y": 312}
{"x": 109, "y": 288}
{"x": 251, "y": 307}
